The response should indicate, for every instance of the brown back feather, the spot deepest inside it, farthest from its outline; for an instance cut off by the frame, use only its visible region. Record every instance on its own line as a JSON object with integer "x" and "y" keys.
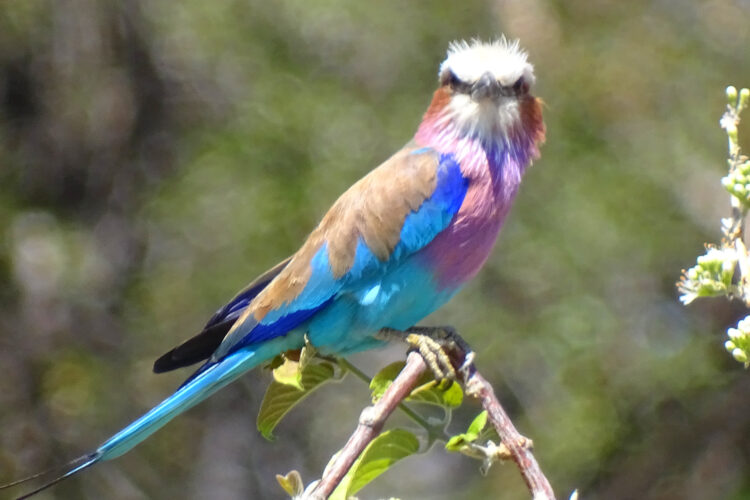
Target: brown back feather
{"x": 374, "y": 209}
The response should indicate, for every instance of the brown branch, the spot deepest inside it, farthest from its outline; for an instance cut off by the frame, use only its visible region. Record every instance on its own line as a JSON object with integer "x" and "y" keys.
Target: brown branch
{"x": 373, "y": 418}
{"x": 518, "y": 446}
{"x": 371, "y": 422}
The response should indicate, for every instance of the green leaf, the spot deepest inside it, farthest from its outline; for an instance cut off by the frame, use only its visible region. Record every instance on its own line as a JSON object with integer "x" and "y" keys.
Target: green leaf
{"x": 307, "y": 354}
{"x": 384, "y": 378}
{"x": 477, "y": 424}
{"x": 458, "y": 442}
{"x": 434, "y": 393}
{"x": 428, "y": 390}
{"x": 281, "y": 397}
{"x": 277, "y": 361}
{"x": 292, "y": 483}
{"x": 289, "y": 373}
{"x": 384, "y": 451}
{"x": 455, "y": 443}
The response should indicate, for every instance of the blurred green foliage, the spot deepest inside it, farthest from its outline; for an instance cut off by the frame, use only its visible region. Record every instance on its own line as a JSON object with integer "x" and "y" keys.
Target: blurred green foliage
{"x": 156, "y": 156}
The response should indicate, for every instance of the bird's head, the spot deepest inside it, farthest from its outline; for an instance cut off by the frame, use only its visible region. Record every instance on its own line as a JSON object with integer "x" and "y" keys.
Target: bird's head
{"x": 484, "y": 92}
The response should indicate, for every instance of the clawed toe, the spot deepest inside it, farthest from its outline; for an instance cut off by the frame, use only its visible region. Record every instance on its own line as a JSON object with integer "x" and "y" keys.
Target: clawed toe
{"x": 434, "y": 355}
{"x": 441, "y": 347}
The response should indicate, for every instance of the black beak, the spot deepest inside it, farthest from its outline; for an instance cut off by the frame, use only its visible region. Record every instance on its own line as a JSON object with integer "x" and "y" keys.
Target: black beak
{"x": 487, "y": 87}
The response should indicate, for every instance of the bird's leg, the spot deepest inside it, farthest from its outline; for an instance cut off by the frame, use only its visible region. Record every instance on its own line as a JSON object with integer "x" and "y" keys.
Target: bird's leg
{"x": 436, "y": 344}
{"x": 452, "y": 342}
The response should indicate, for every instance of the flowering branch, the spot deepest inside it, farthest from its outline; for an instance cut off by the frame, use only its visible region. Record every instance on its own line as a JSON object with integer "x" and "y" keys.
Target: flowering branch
{"x": 714, "y": 273}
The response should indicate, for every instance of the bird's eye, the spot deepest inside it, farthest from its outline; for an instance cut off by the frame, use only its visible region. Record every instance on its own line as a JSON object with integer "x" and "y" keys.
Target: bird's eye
{"x": 449, "y": 78}
{"x": 521, "y": 86}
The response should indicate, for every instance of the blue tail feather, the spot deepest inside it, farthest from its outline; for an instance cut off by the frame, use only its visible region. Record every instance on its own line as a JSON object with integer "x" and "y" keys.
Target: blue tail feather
{"x": 198, "y": 388}
{"x": 213, "y": 378}
{"x": 78, "y": 465}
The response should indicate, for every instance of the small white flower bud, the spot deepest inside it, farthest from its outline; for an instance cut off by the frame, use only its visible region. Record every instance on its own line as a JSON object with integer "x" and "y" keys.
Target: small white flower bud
{"x": 739, "y": 355}
{"x": 732, "y": 95}
{"x": 744, "y": 98}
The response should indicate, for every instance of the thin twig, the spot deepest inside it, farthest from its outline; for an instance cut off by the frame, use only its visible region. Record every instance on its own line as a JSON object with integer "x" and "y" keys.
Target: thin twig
{"x": 371, "y": 422}
{"x": 518, "y": 446}
{"x": 433, "y": 432}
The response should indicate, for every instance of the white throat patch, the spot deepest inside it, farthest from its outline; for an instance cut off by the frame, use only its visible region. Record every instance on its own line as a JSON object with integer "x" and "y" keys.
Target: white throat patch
{"x": 486, "y": 121}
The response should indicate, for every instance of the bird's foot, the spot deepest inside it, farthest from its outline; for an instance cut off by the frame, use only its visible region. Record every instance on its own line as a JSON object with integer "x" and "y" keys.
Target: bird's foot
{"x": 441, "y": 347}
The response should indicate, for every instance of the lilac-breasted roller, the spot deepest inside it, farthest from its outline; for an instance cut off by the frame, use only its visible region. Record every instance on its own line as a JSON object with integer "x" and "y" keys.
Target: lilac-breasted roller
{"x": 392, "y": 249}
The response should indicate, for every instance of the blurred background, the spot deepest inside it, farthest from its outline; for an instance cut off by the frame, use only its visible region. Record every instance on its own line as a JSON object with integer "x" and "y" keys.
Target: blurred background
{"x": 155, "y": 156}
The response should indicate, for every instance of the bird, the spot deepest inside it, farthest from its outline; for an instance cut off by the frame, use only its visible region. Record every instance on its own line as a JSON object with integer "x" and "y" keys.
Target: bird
{"x": 396, "y": 246}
